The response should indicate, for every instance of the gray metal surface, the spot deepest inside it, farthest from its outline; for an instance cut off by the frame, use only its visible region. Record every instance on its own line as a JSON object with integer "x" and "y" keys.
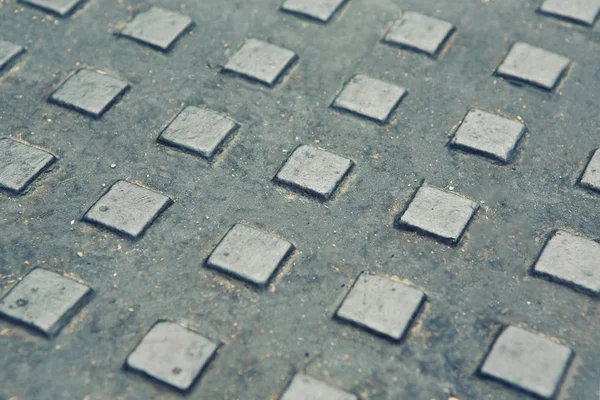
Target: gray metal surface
{"x": 270, "y": 334}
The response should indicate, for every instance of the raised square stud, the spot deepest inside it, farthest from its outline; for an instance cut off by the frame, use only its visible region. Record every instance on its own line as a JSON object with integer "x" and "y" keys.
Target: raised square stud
{"x": 419, "y": 32}
{"x": 304, "y": 387}
{"x": 127, "y": 209}
{"x": 488, "y": 134}
{"x": 45, "y": 301}
{"x": 58, "y": 7}
{"x": 198, "y": 131}
{"x": 439, "y": 213}
{"x": 172, "y": 354}
{"x": 532, "y": 65}
{"x": 90, "y": 92}
{"x": 369, "y": 98}
{"x": 314, "y": 172}
{"x": 249, "y": 254}
{"x": 21, "y": 164}
{"x": 591, "y": 176}
{"x": 321, "y": 10}
{"x": 8, "y": 51}
{"x": 260, "y": 61}
{"x": 528, "y": 362}
{"x": 157, "y": 27}
{"x": 580, "y": 11}
{"x": 381, "y": 305}
{"x": 572, "y": 260}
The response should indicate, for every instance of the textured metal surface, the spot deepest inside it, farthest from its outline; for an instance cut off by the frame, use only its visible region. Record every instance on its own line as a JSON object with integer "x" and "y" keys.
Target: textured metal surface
{"x": 474, "y": 289}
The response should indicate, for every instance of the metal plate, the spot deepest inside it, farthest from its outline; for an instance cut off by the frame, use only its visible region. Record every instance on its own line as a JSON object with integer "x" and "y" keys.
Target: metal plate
{"x": 474, "y": 289}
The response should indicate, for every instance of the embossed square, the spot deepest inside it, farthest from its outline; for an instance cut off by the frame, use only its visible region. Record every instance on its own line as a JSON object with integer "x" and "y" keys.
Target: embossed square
{"x": 442, "y": 214}
{"x": 571, "y": 259}
{"x": 488, "y": 134}
{"x": 527, "y": 361}
{"x": 44, "y": 300}
{"x": 58, "y": 7}
{"x": 260, "y": 61}
{"x": 313, "y": 171}
{"x": 370, "y": 98}
{"x": 419, "y": 32}
{"x": 172, "y": 354}
{"x": 381, "y": 305}
{"x": 532, "y": 65}
{"x": 580, "y": 11}
{"x": 249, "y": 254}
{"x": 304, "y": 387}
{"x": 321, "y": 10}
{"x": 127, "y": 209}
{"x": 157, "y": 27}
{"x": 198, "y": 131}
{"x": 90, "y": 92}
{"x": 21, "y": 164}
{"x": 8, "y": 52}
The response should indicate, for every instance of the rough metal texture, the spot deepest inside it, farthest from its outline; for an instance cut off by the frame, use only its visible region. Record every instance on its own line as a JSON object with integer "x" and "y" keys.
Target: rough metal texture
{"x": 527, "y": 361}
{"x": 44, "y": 300}
{"x": 321, "y": 10}
{"x": 314, "y": 171}
{"x": 381, "y": 305}
{"x": 172, "y": 354}
{"x": 127, "y": 209}
{"x": 198, "y": 131}
{"x": 59, "y": 7}
{"x": 571, "y": 259}
{"x": 90, "y": 92}
{"x": 419, "y": 32}
{"x": 21, "y": 164}
{"x": 582, "y": 11}
{"x": 250, "y": 254}
{"x": 369, "y": 97}
{"x": 472, "y": 289}
{"x": 528, "y": 64}
{"x": 8, "y": 51}
{"x": 488, "y": 134}
{"x": 304, "y": 387}
{"x": 442, "y": 214}
{"x": 260, "y": 61}
{"x": 157, "y": 27}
